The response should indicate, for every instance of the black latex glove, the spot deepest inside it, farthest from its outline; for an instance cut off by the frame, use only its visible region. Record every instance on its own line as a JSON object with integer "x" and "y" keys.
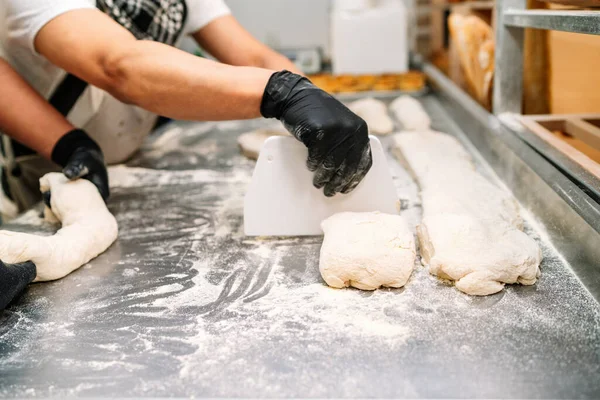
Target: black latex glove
{"x": 81, "y": 157}
{"x": 13, "y": 279}
{"x": 337, "y": 139}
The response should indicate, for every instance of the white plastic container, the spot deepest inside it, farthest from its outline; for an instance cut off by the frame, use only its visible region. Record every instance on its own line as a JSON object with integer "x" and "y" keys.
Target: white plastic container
{"x": 369, "y": 37}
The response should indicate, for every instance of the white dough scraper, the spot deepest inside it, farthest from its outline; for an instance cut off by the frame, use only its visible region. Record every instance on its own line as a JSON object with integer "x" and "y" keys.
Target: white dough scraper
{"x": 282, "y": 201}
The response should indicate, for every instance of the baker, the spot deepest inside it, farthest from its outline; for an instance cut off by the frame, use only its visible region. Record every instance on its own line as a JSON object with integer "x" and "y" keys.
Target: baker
{"x": 112, "y": 66}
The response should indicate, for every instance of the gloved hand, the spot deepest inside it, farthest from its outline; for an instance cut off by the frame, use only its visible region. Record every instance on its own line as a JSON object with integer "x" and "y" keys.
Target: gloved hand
{"x": 337, "y": 139}
{"x": 81, "y": 157}
{"x": 13, "y": 279}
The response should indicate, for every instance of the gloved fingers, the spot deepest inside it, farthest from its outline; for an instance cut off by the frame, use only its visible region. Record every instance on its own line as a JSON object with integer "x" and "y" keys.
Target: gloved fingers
{"x": 6, "y": 266}
{"x": 325, "y": 172}
{"x": 89, "y": 164}
{"x": 325, "y": 145}
{"x": 336, "y": 184}
{"x": 314, "y": 160}
{"x": 100, "y": 180}
{"x": 27, "y": 264}
{"x": 75, "y": 170}
{"x": 345, "y": 176}
{"x": 365, "y": 164}
{"x": 13, "y": 279}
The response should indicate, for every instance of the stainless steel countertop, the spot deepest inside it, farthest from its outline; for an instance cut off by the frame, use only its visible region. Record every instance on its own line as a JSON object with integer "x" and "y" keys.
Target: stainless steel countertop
{"x": 184, "y": 305}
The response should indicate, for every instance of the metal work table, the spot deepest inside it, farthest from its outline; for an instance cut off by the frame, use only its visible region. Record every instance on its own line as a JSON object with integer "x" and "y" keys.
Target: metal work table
{"x": 184, "y": 305}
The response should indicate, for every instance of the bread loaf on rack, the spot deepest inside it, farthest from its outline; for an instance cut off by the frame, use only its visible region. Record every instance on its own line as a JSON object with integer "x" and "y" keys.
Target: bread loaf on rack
{"x": 474, "y": 41}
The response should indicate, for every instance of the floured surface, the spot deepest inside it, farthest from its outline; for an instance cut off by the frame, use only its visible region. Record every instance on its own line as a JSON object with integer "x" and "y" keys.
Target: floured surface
{"x": 182, "y": 305}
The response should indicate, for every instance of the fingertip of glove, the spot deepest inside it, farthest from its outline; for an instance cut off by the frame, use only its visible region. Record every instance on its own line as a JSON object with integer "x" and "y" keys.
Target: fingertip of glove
{"x": 71, "y": 172}
{"x": 319, "y": 185}
{"x": 329, "y": 192}
{"x": 101, "y": 185}
{"x": 105, "y": 194}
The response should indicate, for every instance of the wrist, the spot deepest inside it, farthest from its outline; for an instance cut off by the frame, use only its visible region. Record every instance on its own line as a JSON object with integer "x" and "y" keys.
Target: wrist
{"x": 69, "y": 143}
{"x": 279, "y": 88}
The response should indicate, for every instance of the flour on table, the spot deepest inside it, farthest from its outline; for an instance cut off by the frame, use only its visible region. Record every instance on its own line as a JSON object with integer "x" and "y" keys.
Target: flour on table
{"x": 88, "y": 229}
{"x": 471, "y": 230}
{"x": 410, "y": 113}
{"x": 366, "y": 250}
{"x": 251, "y": 142}
{"x": 375, "y": 113}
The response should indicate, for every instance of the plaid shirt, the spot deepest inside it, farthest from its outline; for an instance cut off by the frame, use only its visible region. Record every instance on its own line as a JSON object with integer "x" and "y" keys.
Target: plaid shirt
{"x": 156, "y": 20}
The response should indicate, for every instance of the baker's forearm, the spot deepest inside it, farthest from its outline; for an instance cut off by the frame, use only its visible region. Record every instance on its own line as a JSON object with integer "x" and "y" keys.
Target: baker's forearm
{"x": 173, "y": 83}
{"x": 26, "y": 116}
{"x": 228, "y": 41}
{"x": 275, "y": 61}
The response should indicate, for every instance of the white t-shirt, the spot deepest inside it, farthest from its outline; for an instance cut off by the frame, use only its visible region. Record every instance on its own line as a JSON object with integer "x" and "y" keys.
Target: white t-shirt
{"x": 118, "y": 128}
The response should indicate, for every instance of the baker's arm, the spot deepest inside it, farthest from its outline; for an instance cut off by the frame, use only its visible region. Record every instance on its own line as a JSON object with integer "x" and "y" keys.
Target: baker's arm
{"x": 26, "y": 116}
{"x": 31, "y": 120}
{"x": 154, "y": 76}
{"x": 229, "y": 42}
{"x": 176, "y": 84}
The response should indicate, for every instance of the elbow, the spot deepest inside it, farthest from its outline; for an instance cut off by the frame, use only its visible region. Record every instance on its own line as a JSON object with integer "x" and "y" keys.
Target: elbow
{"x": 117, "y": 71}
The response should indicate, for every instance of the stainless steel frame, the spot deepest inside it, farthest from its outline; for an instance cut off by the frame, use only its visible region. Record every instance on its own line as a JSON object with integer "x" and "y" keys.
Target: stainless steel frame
{"x": 557, "y": 20}
{"x": 575, "y": 185}
{"x": 511, "y": 19}
{"x": 508, "y": 79}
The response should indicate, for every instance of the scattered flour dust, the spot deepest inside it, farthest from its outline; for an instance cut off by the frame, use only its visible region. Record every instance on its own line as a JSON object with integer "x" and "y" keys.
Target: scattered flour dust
{"x": 339, "y": 310}
{"x": 121, "y": 176}
{"x": 292, "y": 314}
{"x": 273, "y": 304}
{"x": 170, "y": 140}
{"x": 235, "y": 314}
{"x": 31, "y": 217}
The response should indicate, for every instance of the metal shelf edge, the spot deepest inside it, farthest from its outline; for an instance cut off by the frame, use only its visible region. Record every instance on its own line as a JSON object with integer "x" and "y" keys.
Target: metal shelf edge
{"x": 576, "y": 21}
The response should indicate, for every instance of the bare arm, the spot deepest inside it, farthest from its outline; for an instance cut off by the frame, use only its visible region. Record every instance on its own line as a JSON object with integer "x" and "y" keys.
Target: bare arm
{"x": 26, "y": 116}
{"x": 228, "y": 41}
{"x": 150, "y": 75}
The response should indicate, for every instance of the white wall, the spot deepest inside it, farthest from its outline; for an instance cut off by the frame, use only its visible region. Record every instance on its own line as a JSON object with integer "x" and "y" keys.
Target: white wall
{"x": 285, "y": 23}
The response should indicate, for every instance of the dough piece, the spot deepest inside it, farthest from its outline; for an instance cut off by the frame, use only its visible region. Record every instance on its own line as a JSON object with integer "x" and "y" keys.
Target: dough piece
{"x": 411, "y": 114}
{"x": 88, "y": 229}
{"x": 441, "y": 164}
{"x": 471, "y": 230}
{"x": 251, "y": 142}
{"x": 375, "y": 113}
{"x": 366, "y": 250}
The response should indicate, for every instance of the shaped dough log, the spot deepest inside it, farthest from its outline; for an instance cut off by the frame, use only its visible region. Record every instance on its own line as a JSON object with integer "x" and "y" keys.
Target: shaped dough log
{"x": 366, "y": 251}
{"x": 88, "y": 229}
{"x": 375, "y": 114}
{"x": 251, "y": 142}
{"x": 411, "y": 114}
{"x": 471, "y": 229}
{"x": 441, "y": 166}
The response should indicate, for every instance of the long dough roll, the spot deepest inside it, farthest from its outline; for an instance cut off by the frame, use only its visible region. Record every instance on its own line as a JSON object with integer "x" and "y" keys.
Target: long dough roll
{"x": 471, "y": 229}
{"x": 88, "y": 229}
